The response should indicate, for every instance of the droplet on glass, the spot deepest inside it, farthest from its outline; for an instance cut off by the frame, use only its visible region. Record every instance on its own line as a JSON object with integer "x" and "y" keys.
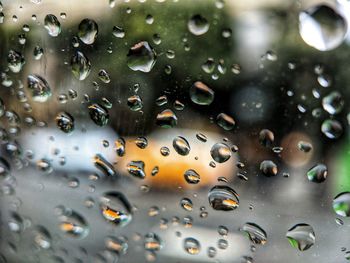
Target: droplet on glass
{"x": 318, "y": 173}
{"x": 152, "y": 242}
{"x": 255, "y": 233}
{"x": 39, "y": 88}
{"x": 341, "y": 204}
{"x": 73, "y": 224}
{"x": 65, "y": 122}
{"x": 268, "y": 168}
{"x": 332, "y": 129}
{"x": 266, "y": 138}
{"x": 220, "y": 152}
{"x": 115, "y": 208}
{"x": 181, "y": 145}
{"x": 333, "y": 103}
{"x": 52, "y": 25}
{"x": 198, "y": 25}
{"x": 192, "y": 177}
{"x": 87, "y": 31}
{"x": 322, "y": 27}
{"x": 98, "y": 114}
{"x": 225, "y": 121}
{"x": 141, "y": 57}
{"x": 223, "y": 197}
{"x": 81, "y": 65}
{"x": 192, "y": 246}
{"x": 166, "y": 119}
{"x": 15, "y": 61}
{"x": 136, "y": 169}
{"x": 201, "y": 94}
{"x": 301, "y": 236}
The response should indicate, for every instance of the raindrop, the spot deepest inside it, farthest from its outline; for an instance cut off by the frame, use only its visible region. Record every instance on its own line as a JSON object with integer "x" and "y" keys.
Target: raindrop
{"x": 98, "y": 114}
{"x": 52, "y": 25}
{"x": 15, "y": 61}
{"x": 332, "y": 129}
{"x": 118, "y": 32}
{"x": 317, "y": 174}
{"x": 208, "y": 66}
{"x": 104, "y": 76}
{"x": 198, "y": 25}
{"x": 304, "y": 146}
{"x": 201, "y": 137}
{"x": 268, "y": 168}
{"x": 117, "y": 244}
{"x": 192, "y": 177}
{"x": 220, "y": 152}
{"x": 222, "y": 243}
{"x": 224, "y": 198}
{"x": 333, "y": 103}
{"x": 38, "y": 52}
{"x": 41, "y": 238}
{"x": 141, "y": 57}
{"x": 181, "y": 145}
{"x": 73, "y": 224}
{"x": 201, "y": 94}
{"x": 166, "y": 119}
{"x": 39, "y": 88}
{"x": 115, "y": 208}
{"x": 141, "y": 142}
{"x": 152, "y": 242}
{"x": 301, "y": 236}
{"x": 322, "y": 27}
{"x": 103, "y": 165}
{"x": 186, "y": 204}
{"x": 87, "y": 31}
{"x": 225, "y": 121}
{"x": 266, "y": 138}
{"x": 164, "y": 151}
{"x": 255, "y": 233}
{"x": 211, "y": 252}
{"x": 65, "y": 122}
{"x": 192, "y": 246}
{"x": 341, "y": 204}
{"x": 136, "y": 168}
{"x": 135, "y": 103}
{"x": 81, "y": 65}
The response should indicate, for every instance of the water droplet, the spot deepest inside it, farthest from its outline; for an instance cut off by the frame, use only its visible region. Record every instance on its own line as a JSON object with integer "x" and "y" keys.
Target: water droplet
{"x": 118, "y": 32}
{"x": 266, "y": 138}
{"x": 341, "y": 204}
{"x": 117, "y": 244}
{"x": 211, "y": 252}
{"x": 164, "y": 151}
{"x": 87, "y": 31}
{"x": 73, "y": 224}
{"x": 141, "y": 142}
{"x": 192, "y": 177}
{"x": 44, "y": 165}
{"x": 322, "y": 27}
{"x": 333, "y": 103}
{"x": 166, "y": 119}
{"x": 198, "y": 25}
{"x": 223, "y": 231}
{"x": 65, "y": 122}
{"x": 201, "y": 94}
{"x": 52, "y": 25}
{"x": 116, "y": 208}
{"x": 104, "y": 76}
{"x": 98, "y": 114}
{"x": 268, "y": 168}
{"x": 192, "y": 246}
{"x": 186, "y": 204}
{"x": 120, "y": 147}
{"x": 141, "y": 57}
{"x": 153, "y": 242}
{"x": 208, "y": 66}
{"x": 135, "y": 103}
{"x": 201, "y": 137}
{"x": 225, "y": 121}
{"x": 41, "y": 238}
{"x": 162, "y": 100}
{"x": 81, "y": 65}
{"x": 318, "y": 173}
{"x": 222, "y": 243}
{"x": 255, "y": 233}
{"x": 136, "y": 168}
{"x": 301, "y": 236}
{"x": 224, "y": 198}
{"x": 304, "y": 146}
{"x": 332, "y": 129}
{"x": 181, "y": 145}
{"x": 220, "y": 152}
{"x": 103, "y": 165}
{"x": 39, "y": 88}
{"x": 15, "y": 61}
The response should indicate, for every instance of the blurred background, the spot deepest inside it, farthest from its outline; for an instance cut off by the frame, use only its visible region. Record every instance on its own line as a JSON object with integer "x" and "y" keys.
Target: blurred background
{"x": 267, "y": 69}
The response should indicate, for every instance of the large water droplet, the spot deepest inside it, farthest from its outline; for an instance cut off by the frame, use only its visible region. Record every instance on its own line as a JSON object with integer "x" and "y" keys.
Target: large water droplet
{"x": 220, "y": 152}
{"x": 318, "y": 173}
{"x": 73, "y": 224}
{"x": 192, "y": 246}
{"x": 181, "y": 145}
{"x": 225, "y": 121}
{"x": 255, "y": 233}
{"x": 39, "y": 88}
{"x": 333, "y": 103}
{"x": 166, "y": 119}
{"x": 15, "y": 61}
{"x": 201, "y": 94}
{"x": 322, "y": 27}
{"x": 98, "y": 114}
{"x": 224, "y": 198}
{"x": 141, "y": 57}
{"x": 301, "y": 236}
{"x": 81, "y": 65}
{"x": 88, "y": 31}
{"x": 116, "y": 208}
{"x": 52, "y": 25}
{"x": 65, "y": 122}
{"x": 192, "y": 177}
{"x": 137, "y": 169}
{"x": 332, "y": 129}
{"x": 341, "y": 204}
{"x": 198, "y": 25}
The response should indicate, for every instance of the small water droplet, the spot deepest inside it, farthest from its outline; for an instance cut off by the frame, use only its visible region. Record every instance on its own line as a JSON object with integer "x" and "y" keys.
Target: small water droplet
{"x": 98, "y": 114}
{"x": 65, "y": 122}
{"x": 192, "y": 177}
{"x": 333, "y": 103}
{"x": 73, "y": 224}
